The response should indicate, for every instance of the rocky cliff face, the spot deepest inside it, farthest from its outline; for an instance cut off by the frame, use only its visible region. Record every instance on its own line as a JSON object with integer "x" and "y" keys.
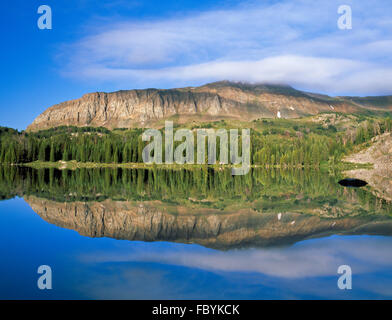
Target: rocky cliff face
{"x": 220, "y": 100}
{"x": 153, "y": 221}
{"x": 380, "y": 155}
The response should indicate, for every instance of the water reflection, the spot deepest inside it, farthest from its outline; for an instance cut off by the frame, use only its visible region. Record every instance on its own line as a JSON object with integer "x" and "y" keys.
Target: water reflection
{"x": 305, "y": 270}
{"x": 203, "y": 206}
{"x": 353, "y": 183}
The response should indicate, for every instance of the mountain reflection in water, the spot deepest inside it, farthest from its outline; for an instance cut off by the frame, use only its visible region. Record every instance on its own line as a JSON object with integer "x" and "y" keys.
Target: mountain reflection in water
{"x": 204, "y": 206}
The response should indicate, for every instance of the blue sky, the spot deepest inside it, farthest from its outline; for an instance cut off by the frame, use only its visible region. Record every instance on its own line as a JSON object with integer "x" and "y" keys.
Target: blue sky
{"x": 112, "y": 45}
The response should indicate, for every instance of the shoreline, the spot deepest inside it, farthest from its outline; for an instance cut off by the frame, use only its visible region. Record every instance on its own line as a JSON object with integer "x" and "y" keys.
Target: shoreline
{"x": 73, "y": 165}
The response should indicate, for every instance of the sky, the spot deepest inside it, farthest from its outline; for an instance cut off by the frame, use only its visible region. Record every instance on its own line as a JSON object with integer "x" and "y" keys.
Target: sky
{"x": 113, "y": 45}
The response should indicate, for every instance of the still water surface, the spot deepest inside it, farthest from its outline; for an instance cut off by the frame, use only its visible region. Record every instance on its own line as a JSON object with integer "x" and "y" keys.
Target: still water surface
{"x": 201, "y": 234}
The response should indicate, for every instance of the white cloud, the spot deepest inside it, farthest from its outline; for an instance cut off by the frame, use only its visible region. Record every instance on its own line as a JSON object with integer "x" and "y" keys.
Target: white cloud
{"x": 319, "y": 74}
{"x": 295, "y": 42}
{"x": 307, "y": 259}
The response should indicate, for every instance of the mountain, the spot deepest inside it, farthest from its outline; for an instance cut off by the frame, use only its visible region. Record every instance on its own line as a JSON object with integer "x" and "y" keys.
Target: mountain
{"x": 210, "y": 102}
{"x": 157, "y": 221}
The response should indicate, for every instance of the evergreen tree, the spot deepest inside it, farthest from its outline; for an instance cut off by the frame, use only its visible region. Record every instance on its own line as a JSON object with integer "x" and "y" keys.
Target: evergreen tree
{"x": 52, "y": 153}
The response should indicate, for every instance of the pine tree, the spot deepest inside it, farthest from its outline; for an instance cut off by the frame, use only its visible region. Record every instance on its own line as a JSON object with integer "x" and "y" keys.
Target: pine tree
{"x": 42, "y": 152}
{"x": 108, "y": 152}
{"x": 65, "y": 153}
{"x": 125, "y": 156}
{"x": 52, "y": 153}
{"x": 115, "y": 155}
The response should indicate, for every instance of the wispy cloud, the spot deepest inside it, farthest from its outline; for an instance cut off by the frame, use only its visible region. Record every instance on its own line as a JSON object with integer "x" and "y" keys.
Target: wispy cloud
{"x": 170, "y": 270}
{"x": 308, "y": 259}
{"x": 296, "y": 42}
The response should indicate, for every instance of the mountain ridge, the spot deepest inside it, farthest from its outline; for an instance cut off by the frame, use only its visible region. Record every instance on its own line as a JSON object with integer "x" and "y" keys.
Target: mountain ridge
{"x": 244, "y": 228}
{"x": 213, "y": 101}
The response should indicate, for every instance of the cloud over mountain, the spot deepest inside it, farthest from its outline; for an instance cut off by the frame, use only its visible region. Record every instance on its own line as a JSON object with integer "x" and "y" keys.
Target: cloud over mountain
{"x": 296, "y": 42}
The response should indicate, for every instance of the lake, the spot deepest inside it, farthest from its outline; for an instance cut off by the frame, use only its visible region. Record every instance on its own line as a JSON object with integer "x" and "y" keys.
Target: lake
{"x": 191, "y": 234}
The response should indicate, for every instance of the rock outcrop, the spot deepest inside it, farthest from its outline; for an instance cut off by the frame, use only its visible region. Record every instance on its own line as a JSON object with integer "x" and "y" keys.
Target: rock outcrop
{"x": 154, "y": 221}
{"x": 215, "y": 101}
{"x": 380, "y": 156}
